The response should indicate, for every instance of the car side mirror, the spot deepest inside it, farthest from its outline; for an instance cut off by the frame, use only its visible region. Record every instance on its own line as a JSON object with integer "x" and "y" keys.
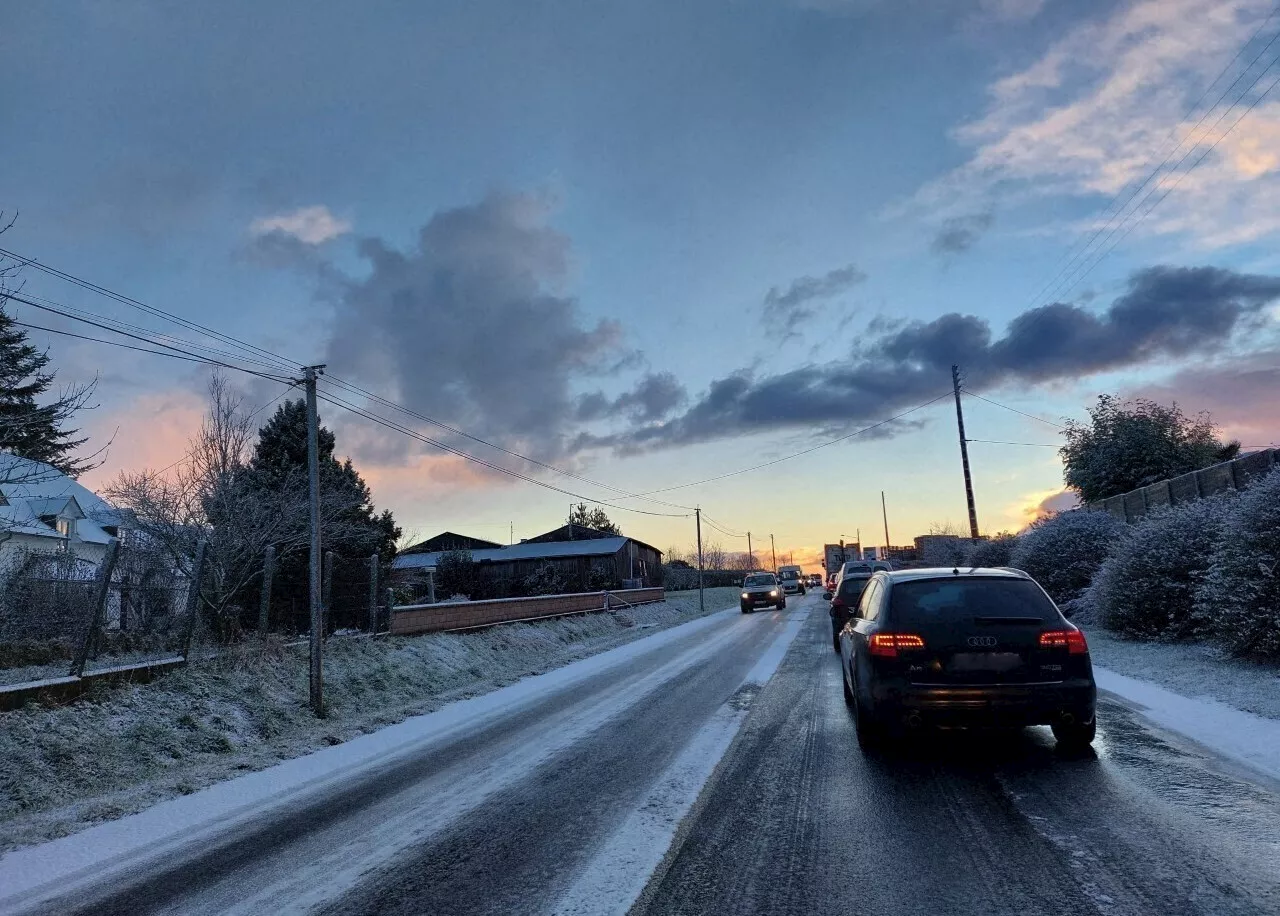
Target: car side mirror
{"x": 827, "y": 596}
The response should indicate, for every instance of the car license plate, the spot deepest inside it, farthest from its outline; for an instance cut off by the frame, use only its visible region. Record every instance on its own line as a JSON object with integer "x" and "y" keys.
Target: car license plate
{"x": 985, "y": 661}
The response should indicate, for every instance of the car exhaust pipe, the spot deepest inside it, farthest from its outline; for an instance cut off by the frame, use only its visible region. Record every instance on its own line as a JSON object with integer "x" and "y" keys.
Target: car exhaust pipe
{"x": 914, "y": 720}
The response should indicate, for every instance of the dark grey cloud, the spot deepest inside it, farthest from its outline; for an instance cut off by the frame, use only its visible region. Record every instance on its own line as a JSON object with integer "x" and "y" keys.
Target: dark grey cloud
{"x": 1165, "y": 313}
{"x": 960, "y": 233}
{"x": 788, "y": 307}
{"x": 469, "y": 326}
{"x": 655, "y": 396}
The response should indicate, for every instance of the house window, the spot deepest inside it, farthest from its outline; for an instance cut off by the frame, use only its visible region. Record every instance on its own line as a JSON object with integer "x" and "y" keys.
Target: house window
{"x": 64, "y": 527}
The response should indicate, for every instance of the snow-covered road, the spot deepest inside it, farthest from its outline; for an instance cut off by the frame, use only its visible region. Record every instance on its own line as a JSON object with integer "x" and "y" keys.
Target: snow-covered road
{"x": 564, "y": 789}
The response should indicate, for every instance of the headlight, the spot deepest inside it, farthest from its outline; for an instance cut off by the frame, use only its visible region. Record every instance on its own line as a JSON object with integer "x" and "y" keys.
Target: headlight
{"x": 745, "y": 595}
{"x": 773, "y": 594}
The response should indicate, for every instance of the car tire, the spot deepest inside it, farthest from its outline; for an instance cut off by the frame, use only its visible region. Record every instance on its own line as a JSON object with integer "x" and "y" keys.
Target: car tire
{"x": 746, "y": 609}
{"x": 782, "y": 605}
{"x": 801, "y": 593}
{"x": 848, "y": 694}
{"x": 1076, "y": 736}
{"x": 869, "y": 729}
{"x": 835, "y": 642}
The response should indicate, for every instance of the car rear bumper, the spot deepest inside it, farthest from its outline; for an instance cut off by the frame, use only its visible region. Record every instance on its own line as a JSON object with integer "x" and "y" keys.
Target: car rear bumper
{"x": 988, "y": 704}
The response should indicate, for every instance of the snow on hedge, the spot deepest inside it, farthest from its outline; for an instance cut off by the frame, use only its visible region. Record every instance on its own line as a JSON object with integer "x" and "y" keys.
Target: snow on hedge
{"x": 1146, "y": 588}
{"x": 1240, "y": 596}
{"x": 998, "y": 551}
{"x": 1064, "y": 551}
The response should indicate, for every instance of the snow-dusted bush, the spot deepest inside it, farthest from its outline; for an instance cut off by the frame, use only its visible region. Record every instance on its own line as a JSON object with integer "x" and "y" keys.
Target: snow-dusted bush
{"x": 545, "y": 580}
{"x": 1063, "y": 551}
{"x": 998, "y": 551}
{"x": 1146, "y": 588}
{"x": 1239, "y": 598}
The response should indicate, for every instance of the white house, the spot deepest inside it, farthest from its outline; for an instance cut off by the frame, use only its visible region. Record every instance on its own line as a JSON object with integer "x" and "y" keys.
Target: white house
{"x": 43, "y": 510}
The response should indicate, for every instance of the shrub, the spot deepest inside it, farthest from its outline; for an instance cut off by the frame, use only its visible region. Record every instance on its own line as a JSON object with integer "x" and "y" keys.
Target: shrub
{"x": 1240, "y": 595}
{"x": 998, "y": 551}
{"x": 1146, "y": 588}
{"x": 545, "y": 580}
{"x": 1063, "y": 551}
{"x": 457, "y": 574}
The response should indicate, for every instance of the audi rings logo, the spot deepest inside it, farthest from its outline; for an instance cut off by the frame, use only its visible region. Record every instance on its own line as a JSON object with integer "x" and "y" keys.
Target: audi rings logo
{"x": 982, "y": 642}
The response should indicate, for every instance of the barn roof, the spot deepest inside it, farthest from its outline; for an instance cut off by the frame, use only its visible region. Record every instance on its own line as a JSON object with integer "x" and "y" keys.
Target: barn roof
{"x": 596, "y": 547}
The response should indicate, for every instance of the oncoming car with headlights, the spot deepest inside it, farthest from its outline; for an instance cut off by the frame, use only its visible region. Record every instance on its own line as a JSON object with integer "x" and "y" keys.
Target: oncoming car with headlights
{"x": 761, "y": 590}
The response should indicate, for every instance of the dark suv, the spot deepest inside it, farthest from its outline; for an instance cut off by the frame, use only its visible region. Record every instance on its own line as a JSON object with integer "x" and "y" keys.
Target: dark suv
{"x": 972, "y": 647}
{"x": 844, "y": 598}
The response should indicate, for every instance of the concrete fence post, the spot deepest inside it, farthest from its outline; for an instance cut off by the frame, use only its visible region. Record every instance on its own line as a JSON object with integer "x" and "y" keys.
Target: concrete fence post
{"x": 326, "y": 592}
{"x": 193, "y": 597}
{"x": 391, "y": 607}
{"x": 373, "y": 593}
{"x": 431, "y": 585}
{"x": 102, "y": 590}
{"x": 268, "y": 577}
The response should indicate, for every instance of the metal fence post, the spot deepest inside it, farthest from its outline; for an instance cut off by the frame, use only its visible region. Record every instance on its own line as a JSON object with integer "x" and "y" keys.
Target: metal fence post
{"x": 326, "y": 592}
{"x": 268, "y": 576}
{"x": 102, "y": 591}
{"x": 373, "y": 593}
{"x": 193, "y": 597}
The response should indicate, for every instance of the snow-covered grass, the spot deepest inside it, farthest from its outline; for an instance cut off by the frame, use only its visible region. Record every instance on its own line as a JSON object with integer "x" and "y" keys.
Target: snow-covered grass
{"x": 1192, "y": 670}
{"x": 122, "y": 749}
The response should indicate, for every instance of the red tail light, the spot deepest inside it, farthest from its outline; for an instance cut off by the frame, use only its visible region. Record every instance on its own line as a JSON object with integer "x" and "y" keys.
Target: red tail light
{"x": 1072, "y": 640}
{"x": 837, "y": 602}
{"x": 887, "y": 645}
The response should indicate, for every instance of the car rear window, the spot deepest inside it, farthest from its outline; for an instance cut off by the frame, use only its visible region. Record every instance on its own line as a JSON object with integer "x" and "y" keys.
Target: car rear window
{"x": 852, "y": 587}
{"x": 920, "y": 603}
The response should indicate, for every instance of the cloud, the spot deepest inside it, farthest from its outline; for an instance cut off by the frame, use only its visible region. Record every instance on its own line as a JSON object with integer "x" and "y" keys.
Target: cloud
{"x": 1012, "y": 10}
{"x": 1043, "y": 504}
{"x": 1239, "y": 394}
{"x": 654, "y": 397}
{"x": 469, "y": 326}
{"x": 793, "y": 305}
{"x": 960, "y": 233}
{"x": 1165, "y": 313}
{"x": 309, "y": 225}
{"x": 1091, "y": 117}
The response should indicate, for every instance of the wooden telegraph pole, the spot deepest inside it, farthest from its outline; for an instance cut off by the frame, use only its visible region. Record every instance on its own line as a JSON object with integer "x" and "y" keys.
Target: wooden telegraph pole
{"x": 310, "y": 374}
{"x": 964, "y": 455}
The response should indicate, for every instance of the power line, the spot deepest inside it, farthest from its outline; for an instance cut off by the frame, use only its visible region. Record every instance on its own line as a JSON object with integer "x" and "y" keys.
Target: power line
{"x": 756, "y": 467}
{"x": 330, "y": 398}
{"x": 1002, "y": 442}
{"x": 1014, "y": 409}
{"x": 114, "y": 343}
{"x": 183, "y": 354}
{"x": 1128, "y": 223}
{"x": 1150, "y": 175}
{"x": 152, "y": 310}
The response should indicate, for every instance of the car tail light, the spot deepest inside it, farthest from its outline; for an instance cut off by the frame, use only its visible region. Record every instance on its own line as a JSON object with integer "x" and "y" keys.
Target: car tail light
{"x": 888, "y": 645}
{"x": 1072, "y": 640}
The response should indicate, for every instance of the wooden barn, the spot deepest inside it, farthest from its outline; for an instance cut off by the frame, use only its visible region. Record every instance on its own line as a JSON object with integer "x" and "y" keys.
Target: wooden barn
{"x": 587, "y": 560}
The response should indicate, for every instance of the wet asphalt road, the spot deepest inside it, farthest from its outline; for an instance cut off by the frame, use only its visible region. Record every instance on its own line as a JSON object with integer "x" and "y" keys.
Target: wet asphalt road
{"x": 506, "y": 816}
{"x": 798, "y": 820}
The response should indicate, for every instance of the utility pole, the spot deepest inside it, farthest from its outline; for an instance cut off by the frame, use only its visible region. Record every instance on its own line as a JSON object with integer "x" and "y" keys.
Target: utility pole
{"x": 858, "y": 535}
{"x": 964, "y": 455}
{"x": 310, "y": 374}
{"x": 751, "y": 557}
{"x": 511, "y": 533}
{"x": 571, "y": 521}
{"x": 885, "y": 512}
{"x": 702, "y": 600}
{"x": 774, "y": 549}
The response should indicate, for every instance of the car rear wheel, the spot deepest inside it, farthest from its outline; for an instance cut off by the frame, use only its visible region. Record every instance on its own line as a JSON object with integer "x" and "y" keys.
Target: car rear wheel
{"x": 1076, "y": 735}
{"x": 869, "y": 729}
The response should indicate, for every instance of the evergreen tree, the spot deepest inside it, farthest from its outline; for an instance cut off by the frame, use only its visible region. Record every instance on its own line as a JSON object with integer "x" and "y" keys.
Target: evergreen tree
{"x": 349, "y": 524}
{"x": 29, "y": 428}
{"x": 594, "y": 517}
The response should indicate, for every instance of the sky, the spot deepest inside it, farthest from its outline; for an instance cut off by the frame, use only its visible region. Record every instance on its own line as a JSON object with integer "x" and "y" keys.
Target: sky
{"x": 649, "y": 244}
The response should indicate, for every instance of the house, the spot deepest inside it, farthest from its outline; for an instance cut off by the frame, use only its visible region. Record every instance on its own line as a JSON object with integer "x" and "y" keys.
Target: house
{"x": 43, "y": 510}
{"x": 449, "y": 540}
{"x": 589, "y": 559}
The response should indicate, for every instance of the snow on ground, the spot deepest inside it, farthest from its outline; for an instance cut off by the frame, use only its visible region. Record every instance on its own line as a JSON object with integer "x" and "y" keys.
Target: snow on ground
{"x": 1240, "y": 736}
{"x": 122, "y": 749}
{"x": 1193, "y": 670}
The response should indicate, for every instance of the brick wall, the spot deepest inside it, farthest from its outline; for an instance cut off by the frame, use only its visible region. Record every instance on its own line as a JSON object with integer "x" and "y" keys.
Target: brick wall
{"x": 432, "y": 618}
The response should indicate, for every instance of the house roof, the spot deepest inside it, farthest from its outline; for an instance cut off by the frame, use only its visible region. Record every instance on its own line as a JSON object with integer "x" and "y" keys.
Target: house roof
{"x": 32, "y": 491}
{"x": 450, "y": 540}
{"x": 595, "y": 547}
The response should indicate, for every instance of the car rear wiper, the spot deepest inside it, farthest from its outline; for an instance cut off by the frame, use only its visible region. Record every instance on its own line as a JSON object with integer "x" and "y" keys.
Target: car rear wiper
{"x": 1008, "y": 620}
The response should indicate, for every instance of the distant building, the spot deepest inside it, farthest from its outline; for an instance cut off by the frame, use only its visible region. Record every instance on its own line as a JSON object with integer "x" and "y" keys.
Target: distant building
{"x": 586, "y": 560}
{"x": 904, "y": 554}
{"x": 448, "y": 540}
